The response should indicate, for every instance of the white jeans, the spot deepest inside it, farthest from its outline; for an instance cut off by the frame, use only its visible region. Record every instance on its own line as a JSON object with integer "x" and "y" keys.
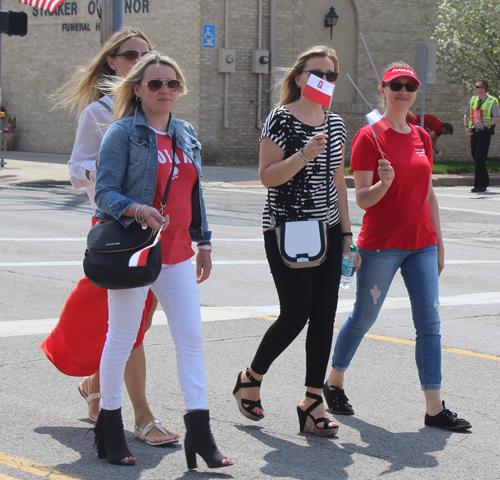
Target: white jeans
{"x": 177, "y": 292}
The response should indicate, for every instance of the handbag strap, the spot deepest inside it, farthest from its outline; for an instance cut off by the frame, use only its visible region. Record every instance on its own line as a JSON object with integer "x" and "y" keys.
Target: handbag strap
{"x": 167, "y": 188}
{"x": 328, "y": 151}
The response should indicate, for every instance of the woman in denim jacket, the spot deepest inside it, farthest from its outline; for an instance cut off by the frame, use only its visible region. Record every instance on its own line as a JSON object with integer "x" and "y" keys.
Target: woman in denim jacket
{"x": 135, "y": 162}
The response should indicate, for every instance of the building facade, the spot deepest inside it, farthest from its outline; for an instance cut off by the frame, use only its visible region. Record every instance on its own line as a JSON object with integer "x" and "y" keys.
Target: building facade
{"x": 222, "y": 47}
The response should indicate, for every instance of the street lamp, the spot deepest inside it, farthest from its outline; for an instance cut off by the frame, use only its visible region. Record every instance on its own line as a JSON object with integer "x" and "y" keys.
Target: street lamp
{"x": 331, "y": 19}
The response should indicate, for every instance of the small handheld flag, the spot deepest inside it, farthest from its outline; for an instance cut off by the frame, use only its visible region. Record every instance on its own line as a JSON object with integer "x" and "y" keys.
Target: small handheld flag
{"x": 378, "y": 125}
{"x": 319, "y": 91}
{"x": 377, "y": 122}
{"x": 140, "y": 258}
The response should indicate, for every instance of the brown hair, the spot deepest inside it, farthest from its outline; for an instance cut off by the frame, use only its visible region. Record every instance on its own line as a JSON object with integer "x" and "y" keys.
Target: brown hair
{"x": 289, "y": 91}
{"x": 82, "y": 88}
{"x": 382, "y": 104}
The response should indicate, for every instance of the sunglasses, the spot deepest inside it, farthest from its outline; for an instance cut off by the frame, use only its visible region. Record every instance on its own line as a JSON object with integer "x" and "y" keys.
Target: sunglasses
{"x": 130, "y": 55}
{"x": 156, "y": 84}
{"x": 478, "y": 86}
{"x": 397, "y": 86}
{"x": 330, "y": 76}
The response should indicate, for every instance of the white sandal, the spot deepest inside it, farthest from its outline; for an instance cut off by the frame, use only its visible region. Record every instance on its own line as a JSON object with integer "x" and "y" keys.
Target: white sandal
{"x": 88, "y": 398}
{"x": 154, "y": 424}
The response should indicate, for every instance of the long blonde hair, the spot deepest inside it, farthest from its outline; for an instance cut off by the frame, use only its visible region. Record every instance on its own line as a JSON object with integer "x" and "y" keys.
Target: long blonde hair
{"x": 382, "y": 103}
{"x": 82, "y": 88}
{"x": 289, "y": 91}
{"x": 122, "y": 89}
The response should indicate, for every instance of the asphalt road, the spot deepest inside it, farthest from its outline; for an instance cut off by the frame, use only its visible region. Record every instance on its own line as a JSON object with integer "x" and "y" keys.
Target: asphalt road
{"x": 42, "y": 235}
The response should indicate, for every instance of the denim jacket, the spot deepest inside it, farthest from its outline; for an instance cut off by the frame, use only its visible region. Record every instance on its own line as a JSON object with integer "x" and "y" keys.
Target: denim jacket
{"x": 128, "y": 166}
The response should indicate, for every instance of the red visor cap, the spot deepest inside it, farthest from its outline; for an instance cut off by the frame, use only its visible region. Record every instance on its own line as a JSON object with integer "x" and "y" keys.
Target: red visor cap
{"x": 396, "y": 72}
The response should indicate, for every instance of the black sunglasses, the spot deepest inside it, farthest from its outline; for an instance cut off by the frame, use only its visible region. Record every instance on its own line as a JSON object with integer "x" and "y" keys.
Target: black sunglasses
{"x": 478, "y": 86}
{"x": 397, "y": 86}
{"x": 130, "y": 55}
{"x": 156, "y": 84}
{"x": 330, "y": 76}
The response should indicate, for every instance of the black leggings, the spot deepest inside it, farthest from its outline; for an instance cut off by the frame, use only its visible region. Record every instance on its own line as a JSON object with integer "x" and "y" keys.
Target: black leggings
{"x": 304, "y": 293}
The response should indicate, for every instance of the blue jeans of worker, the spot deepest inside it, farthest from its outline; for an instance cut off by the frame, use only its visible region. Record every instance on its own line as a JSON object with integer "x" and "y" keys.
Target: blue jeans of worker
{"x": 419, "y": 269}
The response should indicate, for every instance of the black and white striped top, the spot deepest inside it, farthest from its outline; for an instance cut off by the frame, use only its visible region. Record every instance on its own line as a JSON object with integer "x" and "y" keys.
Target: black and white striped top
{"x": 303, "y": 197}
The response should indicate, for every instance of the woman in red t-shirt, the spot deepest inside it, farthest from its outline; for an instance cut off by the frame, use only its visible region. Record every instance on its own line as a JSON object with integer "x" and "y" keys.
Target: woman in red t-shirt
{"x": 400, "y": 230}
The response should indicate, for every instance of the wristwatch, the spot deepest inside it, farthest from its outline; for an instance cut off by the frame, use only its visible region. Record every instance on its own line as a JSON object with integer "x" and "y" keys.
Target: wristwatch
{"x": 205, "y": 246}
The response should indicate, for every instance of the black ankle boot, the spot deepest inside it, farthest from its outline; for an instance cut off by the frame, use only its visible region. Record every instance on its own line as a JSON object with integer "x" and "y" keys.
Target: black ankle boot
{"x": 109, "y": 438}
{"x": 199, "y": 440}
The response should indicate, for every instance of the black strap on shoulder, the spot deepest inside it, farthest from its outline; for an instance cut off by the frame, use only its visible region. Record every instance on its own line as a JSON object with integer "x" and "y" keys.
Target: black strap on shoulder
{"x": 105, "y": 105}
{"x": 167, "y": 188}
{"x": 420, "y": 133}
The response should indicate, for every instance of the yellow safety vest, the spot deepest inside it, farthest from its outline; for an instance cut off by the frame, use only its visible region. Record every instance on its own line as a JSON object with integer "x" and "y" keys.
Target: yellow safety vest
{"x": 486, "y": 106}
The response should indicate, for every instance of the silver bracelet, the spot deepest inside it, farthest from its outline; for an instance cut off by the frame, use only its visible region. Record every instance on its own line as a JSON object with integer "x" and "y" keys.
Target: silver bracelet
{"x": 303, "y": 157}
{"x": 139, "y": 216}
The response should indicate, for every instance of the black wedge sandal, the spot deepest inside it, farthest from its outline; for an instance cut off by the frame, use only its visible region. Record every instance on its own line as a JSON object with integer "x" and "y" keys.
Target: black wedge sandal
{"x": 309, "y": 424}
{"x": 246, "y": 409}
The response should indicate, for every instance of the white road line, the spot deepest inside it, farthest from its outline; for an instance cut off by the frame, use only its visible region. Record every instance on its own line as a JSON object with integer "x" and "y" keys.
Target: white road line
{"x": 78, "y": 263}
{"x": 465, "y": 210}
{"x": 15, "y": 328}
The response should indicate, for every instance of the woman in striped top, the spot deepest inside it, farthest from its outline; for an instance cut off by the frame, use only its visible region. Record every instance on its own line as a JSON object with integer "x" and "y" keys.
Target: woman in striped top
{"x": 295, "y": 140}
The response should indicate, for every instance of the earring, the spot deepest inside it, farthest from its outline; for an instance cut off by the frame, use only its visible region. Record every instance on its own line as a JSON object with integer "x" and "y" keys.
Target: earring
{"x": 137, "y": 99}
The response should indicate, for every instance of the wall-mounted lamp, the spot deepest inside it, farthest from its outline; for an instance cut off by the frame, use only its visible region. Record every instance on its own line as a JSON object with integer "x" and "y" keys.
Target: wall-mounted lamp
{"x": 331, "y": 19}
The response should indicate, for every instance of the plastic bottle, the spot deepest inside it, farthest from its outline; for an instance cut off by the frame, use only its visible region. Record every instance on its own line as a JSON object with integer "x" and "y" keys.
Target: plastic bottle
{"x": 348, "y": 264}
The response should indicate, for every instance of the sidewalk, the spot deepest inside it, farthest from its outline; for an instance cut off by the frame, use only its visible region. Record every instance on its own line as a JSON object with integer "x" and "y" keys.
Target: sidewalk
{"x": 51, "y": 169}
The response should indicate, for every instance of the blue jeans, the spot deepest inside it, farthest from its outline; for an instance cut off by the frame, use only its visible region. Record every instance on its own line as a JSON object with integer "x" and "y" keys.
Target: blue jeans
{"x": 419, "y": 269}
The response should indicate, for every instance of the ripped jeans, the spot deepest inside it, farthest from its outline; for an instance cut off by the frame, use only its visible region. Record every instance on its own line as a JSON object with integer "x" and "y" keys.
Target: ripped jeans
{"x": 419, "y": 269}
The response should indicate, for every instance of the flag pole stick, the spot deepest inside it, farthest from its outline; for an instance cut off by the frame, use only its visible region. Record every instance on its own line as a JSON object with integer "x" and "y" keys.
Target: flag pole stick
{"x": 376, "y": 141}
{"x": 378, "y": 145}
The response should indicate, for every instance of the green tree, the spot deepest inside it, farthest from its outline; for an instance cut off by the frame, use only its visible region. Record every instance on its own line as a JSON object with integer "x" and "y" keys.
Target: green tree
{"x": 468, "y": 36}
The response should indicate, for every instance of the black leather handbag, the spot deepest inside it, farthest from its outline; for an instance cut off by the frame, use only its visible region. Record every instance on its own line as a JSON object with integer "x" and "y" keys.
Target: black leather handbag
{"x": 119, "y": 257}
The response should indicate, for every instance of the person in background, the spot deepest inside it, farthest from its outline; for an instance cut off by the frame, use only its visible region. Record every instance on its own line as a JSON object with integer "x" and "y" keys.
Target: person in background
{"x": 75, "y": 345}
{"x": 137, "y": 155}
{"x": 295, "y": 141}
{"x": 480, "y": 118}
{"x": 434, "y": 127}
{"x": 400, "y": 231}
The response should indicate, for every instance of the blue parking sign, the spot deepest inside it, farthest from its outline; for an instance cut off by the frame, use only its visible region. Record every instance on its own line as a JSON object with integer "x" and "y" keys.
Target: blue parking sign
{"x": 209, "y": 36}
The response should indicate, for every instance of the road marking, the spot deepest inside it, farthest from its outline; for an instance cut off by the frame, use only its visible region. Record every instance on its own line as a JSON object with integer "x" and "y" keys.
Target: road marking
{"x": 36, "y": 468}
{"x": 78, "y": 263}
{"x": 465, "y": 210}
{"x": 15, "y": 328}
{"x": 401, "y": 341}
{"x": 5, "y": 477}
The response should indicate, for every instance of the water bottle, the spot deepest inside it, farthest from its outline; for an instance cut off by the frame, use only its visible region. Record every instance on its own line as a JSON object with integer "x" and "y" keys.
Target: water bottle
{"x": 348, "y": 264}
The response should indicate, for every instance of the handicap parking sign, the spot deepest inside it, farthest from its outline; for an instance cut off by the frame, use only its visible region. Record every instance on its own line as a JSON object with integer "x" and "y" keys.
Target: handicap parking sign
{"x": 209, "y": 35}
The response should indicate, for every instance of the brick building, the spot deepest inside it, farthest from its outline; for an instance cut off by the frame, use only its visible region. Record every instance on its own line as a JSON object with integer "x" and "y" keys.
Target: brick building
{"x": 227, "y": 109}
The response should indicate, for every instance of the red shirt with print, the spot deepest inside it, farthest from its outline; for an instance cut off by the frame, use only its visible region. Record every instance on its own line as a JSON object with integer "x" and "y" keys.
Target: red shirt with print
{"x": 401, "y": 219}
{"x": 175, "y": 239}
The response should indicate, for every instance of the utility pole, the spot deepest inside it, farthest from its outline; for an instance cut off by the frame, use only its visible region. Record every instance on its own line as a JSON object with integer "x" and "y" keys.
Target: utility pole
{"x": 112, "y": 18}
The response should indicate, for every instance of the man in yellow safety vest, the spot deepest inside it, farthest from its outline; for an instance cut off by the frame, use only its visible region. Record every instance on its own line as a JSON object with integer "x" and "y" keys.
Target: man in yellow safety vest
{"x": 480, "y": 117}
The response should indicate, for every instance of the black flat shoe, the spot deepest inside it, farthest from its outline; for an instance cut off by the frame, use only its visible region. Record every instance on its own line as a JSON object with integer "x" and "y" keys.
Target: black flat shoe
{"x": 199, "y": 440}
{"x": 246, "y": 409}
{"x": 309, "y": 424}
{"x": 447, "y": 420}
{"x": 478, "y": 189}
{"x": 337, "y": 400}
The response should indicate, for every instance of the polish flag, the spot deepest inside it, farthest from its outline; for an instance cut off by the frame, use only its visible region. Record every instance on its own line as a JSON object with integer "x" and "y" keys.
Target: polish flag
{"x": 377, "y": 122}
{"x": 140, "y": 258}
{"x": 319, "y": 91}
